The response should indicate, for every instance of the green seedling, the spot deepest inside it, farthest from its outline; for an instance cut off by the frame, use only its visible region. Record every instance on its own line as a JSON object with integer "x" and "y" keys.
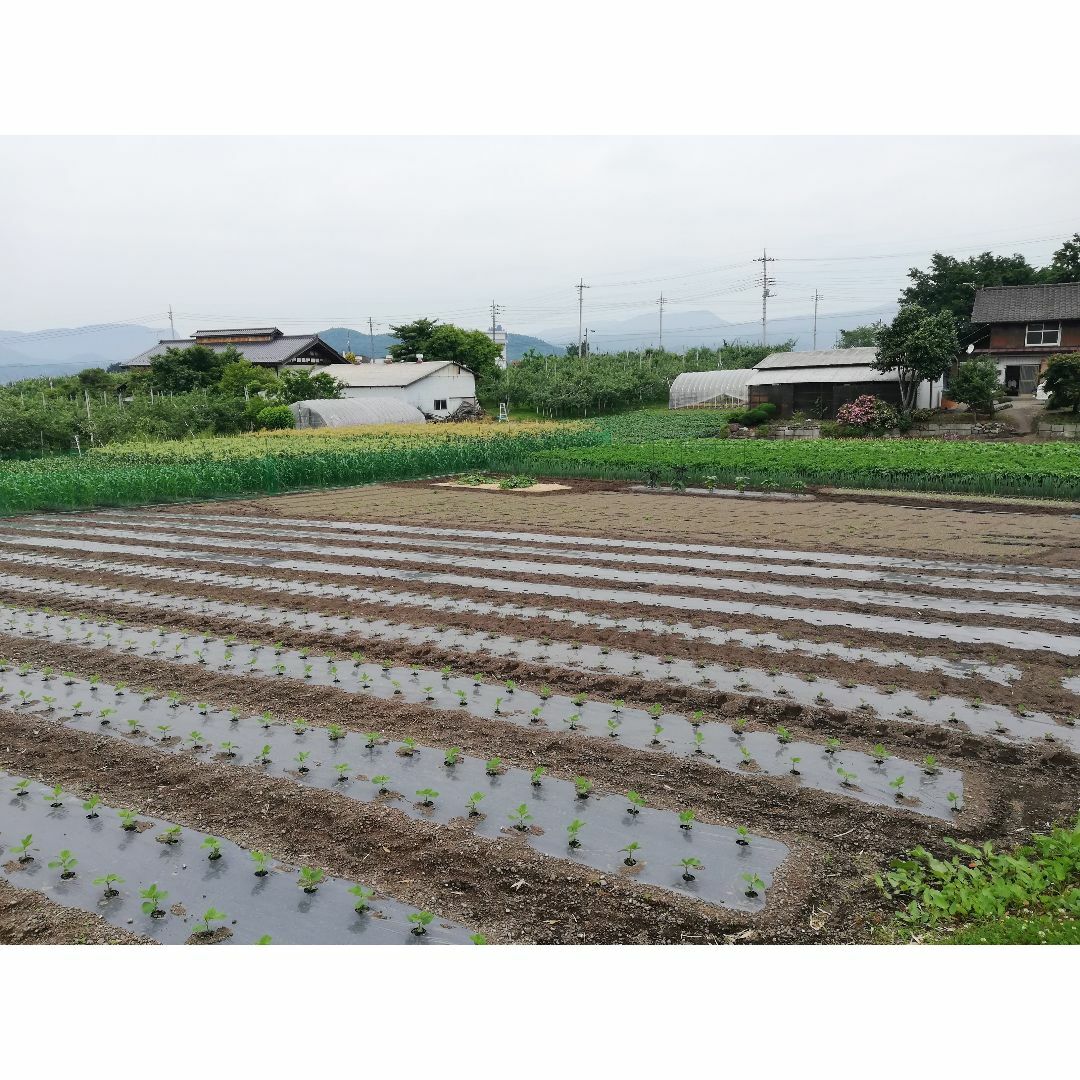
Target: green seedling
{"x": 383, "y": 782}
{"x": 630, "y": 848}
{"x": 266, "y": 719}
{"x": 234, "y": 716}
{"x": 493, "y": 766}
{"x": 21, "y": 788}
{"x": 152, "y": 897}
{"x": 699, "y": 739}
{"x": 636, "y": 801}
{"x": 579, "y": 700}
{"x": 22, "y": 849}
{"x": 55, "y": 798}
{"x": 473, "y": 803}
{"x": 572, "y": 831}
{"x": 172, "y": 835}
{"x": 210, "y": 915}
{"x": 930, "y": 765}
{"x": 740, "y": 725}
{"x": 656, "y": 711}
{"x": 613, "y": 726}
{"x": 545, "y": 692}
{"x": 747, "y": 758}
{"x": 261, "y": 861}
{"x": 65, "y": 862}
{"x": 537, "y": 775}
{"x": 686, "y": 819}
{"x": 510, "y": 685}
{"x": 573, "y": 720}
{"x": 263, "y": 755}
{"x": 301, "y": 761}
{"x": 300, "y": 725}
{"x": 795, "y": 766}
{"x": 228, "y": 749}
{"x": 783, "y": 735}
{"x": 498, "y": 706}
{"x": 832, "y": 746}
{"x": 898, "y": 786}
{"x": 657, "y": 732}
{"x": 408, "y": 746}
{"x": 363, "y": 895}
{"x": 520, "y": 817}
{"x": 534, "y": 715}
{"x": 109, "y": 880}
{"x": 429, "y": 693}
{"x": 452, "y": 755}
{"x": 307, "y": 670}
{"x": 310, "y": 878}
{"x": 478, "y": 939}
{"x": 197, "y": 740}
{"x": 743, "y": 836}
{"x": 881, "y": 755}
{"x": 129, "y": 820}
{"x": 174, "y": 699}
{"x": 213, "y": 847}
{"x": 105, "y": 714}
{"x": 445, "y": 672}
{"x": 335, "y": 732}
{"x": 583, "y": 787}
{"x": 754, "y": 884}
{"x": 954, "y": 802}
{"x": 163, "y": 731}
{"x": 421, "y": 920}
{"x": 689, "y": 865}
{"x": 463, "y": 698}
{"x": 372, "y": 738}
{"x": 427, "y": 796}
{"x": 847, "y": 779}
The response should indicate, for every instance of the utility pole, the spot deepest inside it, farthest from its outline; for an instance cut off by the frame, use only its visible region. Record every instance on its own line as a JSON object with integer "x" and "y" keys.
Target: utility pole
{"x": 662, "y": 302}
{"x": 581, "y": 287}
{"x": 817, "y": 297}
{"x": 766, "y": 281}
{"x": 172, "y": 327}
{"x": 371, "y": 337}
{"x": 496, "y": 311}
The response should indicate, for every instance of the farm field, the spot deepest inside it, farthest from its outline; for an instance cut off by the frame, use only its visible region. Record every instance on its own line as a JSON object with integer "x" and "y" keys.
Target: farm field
{"x": 585, "y": 717}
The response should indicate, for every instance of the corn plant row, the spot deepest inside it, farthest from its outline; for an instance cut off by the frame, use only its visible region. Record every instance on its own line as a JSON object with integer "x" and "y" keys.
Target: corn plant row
{"x": 283, "y": 535}
{"x": 133, "y": 474}
{"x": 874, "y": 778}
{"x": 172, "y": 884}
{"x": 1027, "y": 640}
{"x": 604, "y": 574}
{"x": 1047, "y": 470}
{"x": 901, "y": 705}
{"x": 559, "y": 818}
{"x": 828, "y": 558}
{"x": 998, "y": 672}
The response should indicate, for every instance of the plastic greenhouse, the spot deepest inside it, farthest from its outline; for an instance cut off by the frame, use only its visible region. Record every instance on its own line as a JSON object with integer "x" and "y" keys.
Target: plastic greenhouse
{"x": 710, "y": 389}
{"x": 351, "y": 412}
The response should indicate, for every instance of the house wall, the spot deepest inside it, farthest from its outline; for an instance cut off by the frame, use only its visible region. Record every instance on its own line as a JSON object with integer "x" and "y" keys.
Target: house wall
{"x": 1011, "y": 336}
{"x": 423, "y": 393}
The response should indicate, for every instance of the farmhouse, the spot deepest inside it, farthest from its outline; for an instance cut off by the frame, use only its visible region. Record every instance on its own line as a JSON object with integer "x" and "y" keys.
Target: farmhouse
{"x": 267, "y": 346}
{"x": 436, "y": 388}
{"x": 1023, "y": 327}
{"x": 817, "y": 383}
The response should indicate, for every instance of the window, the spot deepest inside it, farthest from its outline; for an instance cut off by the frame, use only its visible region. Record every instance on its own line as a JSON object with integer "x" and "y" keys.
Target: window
{"x": 1043, "y": 333}
{"x": 440, "y": 404}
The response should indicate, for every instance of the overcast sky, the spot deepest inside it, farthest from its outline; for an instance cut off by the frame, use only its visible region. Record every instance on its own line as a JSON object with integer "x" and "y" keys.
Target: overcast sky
{"x": 305, "y": 233}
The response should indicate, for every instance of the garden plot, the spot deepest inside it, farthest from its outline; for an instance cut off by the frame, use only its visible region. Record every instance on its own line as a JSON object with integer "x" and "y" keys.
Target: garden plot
{"x": 1004, "y": 674}
{"x": 901, "y": 706}
{"x": 1027, "y": 640}
{"x": 517, "y": 567}
{"x": 704, "y": 566}
{"x": 166, "y": 882}
{"x": 878, "y": 778}
{"x": 783, "y": 554}
{"x": 559, "y": 818}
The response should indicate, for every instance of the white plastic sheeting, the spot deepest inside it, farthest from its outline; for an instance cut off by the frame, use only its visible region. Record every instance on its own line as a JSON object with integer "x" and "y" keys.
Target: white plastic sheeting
{"x": 703, "y": 388}
{"x": 350, "y": 412}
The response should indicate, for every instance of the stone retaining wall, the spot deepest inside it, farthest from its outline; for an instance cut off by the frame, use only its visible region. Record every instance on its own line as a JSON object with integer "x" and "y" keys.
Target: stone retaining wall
{"x": 1060, "y": 431}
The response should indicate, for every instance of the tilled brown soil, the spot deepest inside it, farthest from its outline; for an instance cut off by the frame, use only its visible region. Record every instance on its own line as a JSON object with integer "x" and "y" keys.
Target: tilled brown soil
{"x": 28, "y": 917}
{"x": 1039, "y": 687}
{"x": 599, "y": 508}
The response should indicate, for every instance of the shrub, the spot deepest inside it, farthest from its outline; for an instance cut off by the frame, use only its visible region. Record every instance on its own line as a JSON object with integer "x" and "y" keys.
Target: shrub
{"x": 275, "y": 418}
{"x": 867, "y": 413}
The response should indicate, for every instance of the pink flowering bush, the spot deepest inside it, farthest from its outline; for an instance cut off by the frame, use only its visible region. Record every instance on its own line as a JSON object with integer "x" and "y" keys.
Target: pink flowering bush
{"x": 867, "y": 412}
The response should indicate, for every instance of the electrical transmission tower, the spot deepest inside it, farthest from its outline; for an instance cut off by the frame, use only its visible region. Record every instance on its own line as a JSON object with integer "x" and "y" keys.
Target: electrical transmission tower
{"x": 581, "y": 287}
{"x": 766, "y": 281}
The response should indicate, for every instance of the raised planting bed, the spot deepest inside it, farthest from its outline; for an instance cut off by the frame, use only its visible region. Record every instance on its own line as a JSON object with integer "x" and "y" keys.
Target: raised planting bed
{"x": 138, "y": 851}
{"x": 725, "y": 493}
{"x": 417, "y": 781}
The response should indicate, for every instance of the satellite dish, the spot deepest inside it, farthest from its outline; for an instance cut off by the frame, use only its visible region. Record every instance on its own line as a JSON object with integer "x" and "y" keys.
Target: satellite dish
{"x": 970, "y": 349}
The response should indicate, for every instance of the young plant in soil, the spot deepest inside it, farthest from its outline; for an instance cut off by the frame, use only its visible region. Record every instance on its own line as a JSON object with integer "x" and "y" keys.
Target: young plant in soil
{"x": 954, "y": 802}
{"x": 657, "y": 731}
{"x": 152, "y": 897}
{"x": 172, "y": 835}
{"x": 573, "y": 720}
{"x": 22, "y": 849}
{"x": 197, "y": 740}
{"x": 210, "y": 915}
{"x": 583, "y": 786}
{"x": 478, "y": 939}
{"x": 783, "y": 735}
{"x": 743, "y": 837}
{"x": 930, "y": 765}
{"x": 520, "y": 817}
{"x": 309, "y": 878}
{"x": 408, "y": 746}
{"x": 55, "y": 798}
{"x": 263, "y": 756}
{"x": 109, "y": 880}
{"x": 689, "y": 865}
{"x": 636, "y": 802}
{"x": 21, "y": 788}
{"x": 129, "y": 820}
{"x": 105, "y": 714}
{"x": 334, "y": 732}
{"x": 301, "y": 761}
{"x": 383, "y": 782}
{"x": 881, "y": 755}
{"x": 213, "y": 847}
{"x": 613, "y": 726}
{"x": 427, "y": 796}
{"x": 261, "y": 860}
{"x": 572, "y": 831}
{"x": 686, "y": 819}
{"x": 832, "y": 746}
{"x": 847, "y": 779}
{"x": 537, "y": 775}
{"x": 421, "y": 920}
{"x": 795, "y": 766}
{"x": 452, "y": 755}
{"x": 493, "y": 766}
{"x": 630, "y": 848}
{"x": 754, "y": 885}
{"x": 65, "y": 862}
{"x": 473, "y": 803}
{"x": 748, "y": 761}
{"x": 898, "y": 786}
{"x": 228, "y": 749}
{"x": 363, "y": 895}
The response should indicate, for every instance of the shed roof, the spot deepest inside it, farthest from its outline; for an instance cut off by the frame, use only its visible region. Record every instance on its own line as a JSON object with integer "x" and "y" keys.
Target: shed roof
{"x": 391, "y": 375}
{"x": 817, "y": 358}
{"x": 852, "y": 373}
{"x": 278, "y": 351}
{"x": 1026, "y": 303}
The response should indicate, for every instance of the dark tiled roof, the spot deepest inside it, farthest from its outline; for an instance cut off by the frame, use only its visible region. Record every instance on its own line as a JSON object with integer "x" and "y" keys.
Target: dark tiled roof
{"x": 1026, "y": 303}
{"x": 278, "y": 351}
